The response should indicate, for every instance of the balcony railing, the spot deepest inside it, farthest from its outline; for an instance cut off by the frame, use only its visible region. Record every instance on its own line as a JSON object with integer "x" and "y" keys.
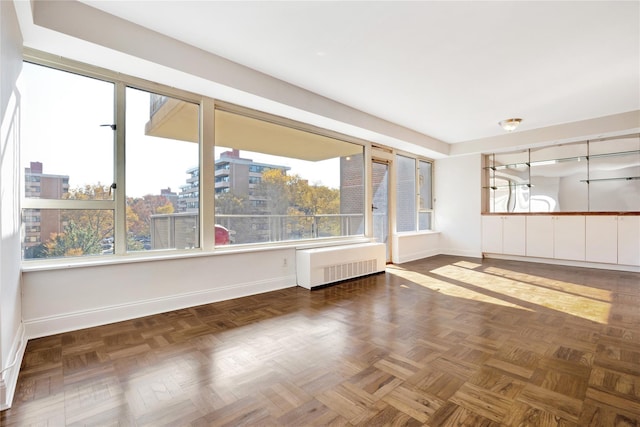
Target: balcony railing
{"x": 276, "y": 228}
{"x": 245, "y": 229}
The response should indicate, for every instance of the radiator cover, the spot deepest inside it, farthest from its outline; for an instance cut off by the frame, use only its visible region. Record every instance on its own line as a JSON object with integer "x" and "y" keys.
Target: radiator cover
{"x": 322, "y": 266}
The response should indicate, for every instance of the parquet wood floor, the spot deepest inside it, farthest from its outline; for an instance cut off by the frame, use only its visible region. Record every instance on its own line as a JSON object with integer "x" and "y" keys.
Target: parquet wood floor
{"x": 444, "y": 341}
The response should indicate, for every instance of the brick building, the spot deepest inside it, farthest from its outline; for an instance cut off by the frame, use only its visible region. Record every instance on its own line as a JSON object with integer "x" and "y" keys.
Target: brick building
{"x": 39, "y": 224}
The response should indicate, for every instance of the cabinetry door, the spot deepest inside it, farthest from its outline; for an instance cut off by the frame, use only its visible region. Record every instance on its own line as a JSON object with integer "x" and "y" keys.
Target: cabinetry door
{"x": 629, "y": 240}
{"x": 540, "y": 236}
{"x": 569, "y": 237}
{"x": 492, "y": 234}
{"x": 513, "y": 235}
{"x": 601, "y": 239}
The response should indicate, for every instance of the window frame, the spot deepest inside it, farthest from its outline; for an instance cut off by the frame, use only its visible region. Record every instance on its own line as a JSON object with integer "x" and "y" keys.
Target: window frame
{"x": 417, "y": 159}
{"x": 309, "y": 128}
{"x": 206, "y": 165}
{"x": 118, "y": 203}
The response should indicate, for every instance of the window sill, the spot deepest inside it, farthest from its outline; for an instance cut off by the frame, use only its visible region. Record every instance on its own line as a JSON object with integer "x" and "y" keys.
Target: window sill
{"x": 97, "y": 261}
{"x": 415, "y": 233}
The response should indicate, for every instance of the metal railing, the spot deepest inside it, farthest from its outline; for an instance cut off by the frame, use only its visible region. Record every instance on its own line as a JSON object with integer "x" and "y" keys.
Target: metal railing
{"x": 276, "y": 228}
{"x": 245, "y": 229}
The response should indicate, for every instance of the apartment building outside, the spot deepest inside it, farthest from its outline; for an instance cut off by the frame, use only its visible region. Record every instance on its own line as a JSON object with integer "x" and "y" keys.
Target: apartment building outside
{"x": 39, "y": 224}
{"x": 233, "y": 174}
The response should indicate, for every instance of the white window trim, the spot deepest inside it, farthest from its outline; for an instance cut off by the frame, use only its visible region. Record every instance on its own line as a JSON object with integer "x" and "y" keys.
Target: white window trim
{"x": 417, "y": 159}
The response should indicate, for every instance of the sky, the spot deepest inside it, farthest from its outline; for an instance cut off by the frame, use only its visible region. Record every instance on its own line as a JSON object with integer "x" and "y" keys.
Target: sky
{"x": 61, "y": 120}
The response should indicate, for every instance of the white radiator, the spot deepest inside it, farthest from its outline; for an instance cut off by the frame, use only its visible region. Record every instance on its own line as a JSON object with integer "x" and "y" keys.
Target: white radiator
{"x": 321, "y": 266}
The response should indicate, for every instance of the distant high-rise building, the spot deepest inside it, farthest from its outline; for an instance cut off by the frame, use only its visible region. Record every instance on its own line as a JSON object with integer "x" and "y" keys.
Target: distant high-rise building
{"x": 232, "y": 174}
{"x": 189, "y": 196}
{"x": 171, "y": 196}
{"x": 39, "y": 224}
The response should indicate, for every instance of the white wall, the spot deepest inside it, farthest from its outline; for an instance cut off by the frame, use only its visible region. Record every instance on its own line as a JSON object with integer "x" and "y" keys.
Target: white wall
{"x": 413, "y": 246}
{"x": 74, "y": 298}
{"x": 11, "y": 342}
{"x": 458, "y": 204}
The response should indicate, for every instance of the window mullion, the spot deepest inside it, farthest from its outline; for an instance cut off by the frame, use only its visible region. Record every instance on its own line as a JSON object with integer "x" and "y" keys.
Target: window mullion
{"x": 207, "y": 175}
{"x": 65, "y": 204}
{"x": 120, "y": 214}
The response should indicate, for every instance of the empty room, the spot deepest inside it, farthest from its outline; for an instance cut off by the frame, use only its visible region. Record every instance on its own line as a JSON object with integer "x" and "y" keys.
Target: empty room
{"x": 293, "y": 213}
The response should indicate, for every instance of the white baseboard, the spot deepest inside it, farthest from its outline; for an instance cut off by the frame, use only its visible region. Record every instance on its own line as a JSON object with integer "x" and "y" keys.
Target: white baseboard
{"x": 416, "y": 256}
{"x": 9, "y": 377}
{"x": 553, "y": 261}
{"x": 461, "y": 252}
{"x": 51, "y": 325}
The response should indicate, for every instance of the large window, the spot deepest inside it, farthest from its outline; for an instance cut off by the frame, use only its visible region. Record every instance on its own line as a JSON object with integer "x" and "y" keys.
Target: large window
{"x": 162, "y": 173}
{"x": 67, "y": 157}
{"x": 277, "y": 183}
{"x": 414, "y": 206}
{"x": 110, "y": 168}
{"x": 78, "y": 200}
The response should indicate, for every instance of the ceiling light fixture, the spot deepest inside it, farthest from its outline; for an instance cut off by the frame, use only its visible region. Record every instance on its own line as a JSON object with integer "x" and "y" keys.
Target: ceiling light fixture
{"x": 509, "y": 124}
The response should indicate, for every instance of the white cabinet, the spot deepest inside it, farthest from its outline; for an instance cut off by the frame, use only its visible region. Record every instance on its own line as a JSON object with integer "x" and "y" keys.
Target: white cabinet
{"x": 629, "y": 240}
{"x": 601, "y": 239}
{"x": 560, "y": 237}
{"x": 540, "y": 236}
{"x": 513, "y": 235}
{"x": 503, "y": 234}
{"x": 492, "y": 234}
{"x": 569, "y": 237}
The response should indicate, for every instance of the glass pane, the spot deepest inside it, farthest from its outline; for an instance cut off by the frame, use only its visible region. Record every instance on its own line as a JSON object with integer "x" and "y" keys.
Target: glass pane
{"x": 177, "y": 230}
{"x": 596, "y": 176}
{"x": 502, "y": 160}
{"x": 500, "y": 196}
{"x": 509, "y": 197}
{"x": 405, "y": 194}
{"x": 380, "y": 185}
{"x": 425, "y": 185}
{"x": 275, "y": 183}
{"x": 507, "y": 181}
{"x": 614, "y": 146}
{"x": 614, "y": 175}
{"x": 614, "y": 196}
{"x": 425, "y": 200}
{"x": 558, "y": 178}
{"x": 57, "y": 233}
{"x": 424, "y": 220}
{"x": 559, "y": 152}
{"x": 162, "y": 172}
{"x": 67, "y": 152}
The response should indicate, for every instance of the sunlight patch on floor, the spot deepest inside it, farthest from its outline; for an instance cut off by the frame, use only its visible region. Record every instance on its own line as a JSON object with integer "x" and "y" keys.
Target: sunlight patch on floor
{"x": 559, "y": 285}
{"x": 450, "y": 289}
{"x": 549, "y": 294}
{"x": 467, "y": 264}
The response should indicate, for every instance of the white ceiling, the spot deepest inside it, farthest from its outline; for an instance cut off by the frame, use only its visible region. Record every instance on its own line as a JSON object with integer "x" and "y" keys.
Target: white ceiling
{"x": 450, "y": 70}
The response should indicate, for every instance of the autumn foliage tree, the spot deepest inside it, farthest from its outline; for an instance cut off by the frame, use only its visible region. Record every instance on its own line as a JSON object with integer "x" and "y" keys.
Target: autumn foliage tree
{"x": 74, "y": 241}
{"x": 85, "y": 230}
{"x": 289, "y": 203}
{"x": 140, "y": 209}
{"x": 235, "y": 204}
{"x": 293, "y": 196}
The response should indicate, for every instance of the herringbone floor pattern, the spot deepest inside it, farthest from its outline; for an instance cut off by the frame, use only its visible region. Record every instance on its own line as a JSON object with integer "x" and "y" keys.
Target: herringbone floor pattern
{"x": 439, "y": 342}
